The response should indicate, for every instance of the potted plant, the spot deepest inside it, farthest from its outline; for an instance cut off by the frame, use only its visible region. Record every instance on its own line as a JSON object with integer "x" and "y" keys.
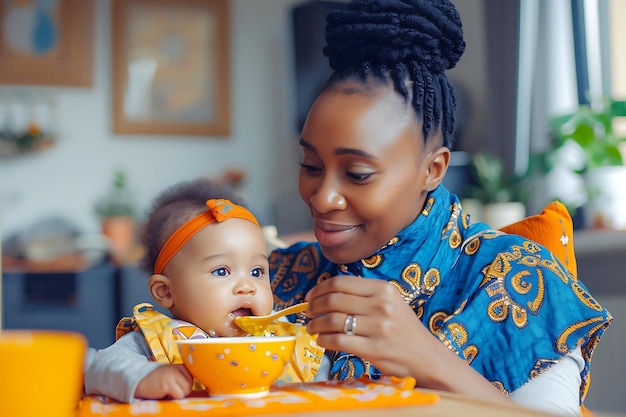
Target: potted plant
{"x": 591, "y": 128}
{"x": 501, "y": 196}
{"x": 595, "y": 154}
{"x": 116, "y": 211}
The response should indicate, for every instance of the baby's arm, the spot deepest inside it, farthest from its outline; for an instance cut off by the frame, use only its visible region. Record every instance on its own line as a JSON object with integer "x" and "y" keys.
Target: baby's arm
{"x": 118, "y": 370}
{"x": 171, "y": 381}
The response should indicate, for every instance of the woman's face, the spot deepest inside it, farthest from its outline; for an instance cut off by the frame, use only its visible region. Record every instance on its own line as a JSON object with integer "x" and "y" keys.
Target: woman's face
{"x": 222, "y": 272}
{"x": 365, "y": 169}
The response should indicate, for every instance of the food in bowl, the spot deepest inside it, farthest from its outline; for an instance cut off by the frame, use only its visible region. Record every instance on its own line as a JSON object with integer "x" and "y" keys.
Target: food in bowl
{"x": 237, "y": 366}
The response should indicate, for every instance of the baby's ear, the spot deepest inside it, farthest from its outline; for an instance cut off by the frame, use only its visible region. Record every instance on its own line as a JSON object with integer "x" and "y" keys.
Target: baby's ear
{"x": 159, "y": 286}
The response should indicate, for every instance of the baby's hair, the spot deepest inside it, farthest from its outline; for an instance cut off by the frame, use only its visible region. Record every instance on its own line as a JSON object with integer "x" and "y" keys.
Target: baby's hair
{"x": 411, "y": 43}
{"x": 173, "y": 207}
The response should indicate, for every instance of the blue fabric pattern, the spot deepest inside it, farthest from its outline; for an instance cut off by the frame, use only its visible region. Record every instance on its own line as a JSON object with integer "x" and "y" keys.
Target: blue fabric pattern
{"x": 503, "y": 303}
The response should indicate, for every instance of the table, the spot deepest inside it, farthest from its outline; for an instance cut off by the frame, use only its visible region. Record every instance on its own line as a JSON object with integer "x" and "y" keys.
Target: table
{"x": 449, "y": 405}
{"x": 393, "y": 396}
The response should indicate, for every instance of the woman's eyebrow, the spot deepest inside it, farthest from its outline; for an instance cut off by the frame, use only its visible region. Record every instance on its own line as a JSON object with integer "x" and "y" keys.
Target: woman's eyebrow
{"x": 352, "y": 151}
{"x": 339, "y": 151}
{"x": 307, "y": 145}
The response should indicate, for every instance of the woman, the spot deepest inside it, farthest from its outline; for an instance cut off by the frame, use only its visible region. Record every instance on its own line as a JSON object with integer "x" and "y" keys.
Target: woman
{"x": 398, "y": 281}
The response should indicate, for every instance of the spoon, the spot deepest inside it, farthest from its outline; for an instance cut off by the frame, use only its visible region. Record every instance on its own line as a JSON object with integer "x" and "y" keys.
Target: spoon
{"x": 256, "y": 325}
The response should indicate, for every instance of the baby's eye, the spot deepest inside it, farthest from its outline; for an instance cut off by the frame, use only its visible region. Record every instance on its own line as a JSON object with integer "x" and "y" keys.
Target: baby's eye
{"x": 220, "y": 272}
{"x": 257, "y": 272}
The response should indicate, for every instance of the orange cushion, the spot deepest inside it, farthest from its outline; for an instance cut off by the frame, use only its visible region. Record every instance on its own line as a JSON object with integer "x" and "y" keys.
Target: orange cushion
{"x": 552, "y": 228}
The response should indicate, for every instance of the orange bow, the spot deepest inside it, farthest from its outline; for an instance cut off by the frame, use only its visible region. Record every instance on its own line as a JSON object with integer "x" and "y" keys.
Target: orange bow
{"x": 219, "y": 210}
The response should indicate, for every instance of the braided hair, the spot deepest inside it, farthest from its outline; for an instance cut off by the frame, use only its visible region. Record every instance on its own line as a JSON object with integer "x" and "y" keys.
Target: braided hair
{"x": 411, "y": 43}
{"x": 173, "y": 207}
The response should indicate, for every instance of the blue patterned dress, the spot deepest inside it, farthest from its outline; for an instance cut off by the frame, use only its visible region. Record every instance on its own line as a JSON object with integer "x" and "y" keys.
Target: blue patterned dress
{"x": 503, "y": 303}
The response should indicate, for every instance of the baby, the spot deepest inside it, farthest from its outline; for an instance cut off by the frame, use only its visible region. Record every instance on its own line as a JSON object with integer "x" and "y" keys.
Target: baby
{"x": 207, "y": 260}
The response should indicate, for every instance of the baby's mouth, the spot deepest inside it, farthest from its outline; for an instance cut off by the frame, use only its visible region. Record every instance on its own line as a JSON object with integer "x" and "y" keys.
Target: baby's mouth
{"x": 242, "y": 312}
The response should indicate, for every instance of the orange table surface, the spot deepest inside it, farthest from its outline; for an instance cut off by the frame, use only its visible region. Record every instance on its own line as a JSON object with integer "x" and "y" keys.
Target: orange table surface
{"x": 362, "y": 398}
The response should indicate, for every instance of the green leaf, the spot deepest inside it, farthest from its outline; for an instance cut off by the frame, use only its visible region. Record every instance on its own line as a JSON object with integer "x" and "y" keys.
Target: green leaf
{"x": 491, "y": 183}
{"x": 618, "y": 108}
{"x": 584, "y": 135}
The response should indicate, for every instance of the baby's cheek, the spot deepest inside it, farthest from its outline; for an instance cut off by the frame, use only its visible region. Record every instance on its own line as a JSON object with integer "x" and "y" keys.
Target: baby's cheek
{"x": 268, "y": 303}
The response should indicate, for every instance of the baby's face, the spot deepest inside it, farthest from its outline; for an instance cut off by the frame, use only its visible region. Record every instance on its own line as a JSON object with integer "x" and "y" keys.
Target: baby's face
{"x": 221, "y": 272}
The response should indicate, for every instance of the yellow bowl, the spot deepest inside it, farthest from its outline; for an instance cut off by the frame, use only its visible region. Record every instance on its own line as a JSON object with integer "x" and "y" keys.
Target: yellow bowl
{"x": 237, "y": 366}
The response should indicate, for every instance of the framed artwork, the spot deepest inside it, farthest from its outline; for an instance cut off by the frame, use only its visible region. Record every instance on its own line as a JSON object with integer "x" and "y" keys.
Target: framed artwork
{"x": 171, "y": 66}
{"x": 46, "y": 42}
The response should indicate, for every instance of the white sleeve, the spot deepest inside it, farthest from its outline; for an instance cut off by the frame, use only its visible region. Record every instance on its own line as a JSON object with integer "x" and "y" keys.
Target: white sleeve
{"x": 555, "y": 391}
{"x": 116, "y": 371}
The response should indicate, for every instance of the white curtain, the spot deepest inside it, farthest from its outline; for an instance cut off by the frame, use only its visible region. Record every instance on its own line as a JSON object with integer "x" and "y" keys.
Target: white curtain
{"x": 546, "y": 88}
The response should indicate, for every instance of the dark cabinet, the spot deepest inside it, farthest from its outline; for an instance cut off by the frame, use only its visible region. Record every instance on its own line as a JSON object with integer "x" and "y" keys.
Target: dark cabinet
{"x": 82, "y": 301}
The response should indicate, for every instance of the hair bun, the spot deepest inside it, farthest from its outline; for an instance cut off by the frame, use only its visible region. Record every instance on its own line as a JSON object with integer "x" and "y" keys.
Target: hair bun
{"x": 387, "y": 32}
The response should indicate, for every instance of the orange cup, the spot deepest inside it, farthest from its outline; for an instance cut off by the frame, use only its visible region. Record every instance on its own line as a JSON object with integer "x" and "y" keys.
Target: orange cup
{"x": 42, "y": 372}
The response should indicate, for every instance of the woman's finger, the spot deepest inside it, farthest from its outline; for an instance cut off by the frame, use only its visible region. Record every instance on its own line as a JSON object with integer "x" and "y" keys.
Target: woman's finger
{"x": 360, "y": 296}
{"x": 338, "y": 303}
{"x": 347, "y": 284}
{"x": 349, "y": 324}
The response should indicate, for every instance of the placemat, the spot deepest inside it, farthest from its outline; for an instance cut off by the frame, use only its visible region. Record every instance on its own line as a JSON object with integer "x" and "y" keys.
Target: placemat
{"x": 290, "y": 398}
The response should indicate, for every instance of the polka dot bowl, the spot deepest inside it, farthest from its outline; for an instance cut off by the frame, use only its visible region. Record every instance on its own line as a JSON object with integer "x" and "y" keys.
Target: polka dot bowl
{"x": 237, "y": 366}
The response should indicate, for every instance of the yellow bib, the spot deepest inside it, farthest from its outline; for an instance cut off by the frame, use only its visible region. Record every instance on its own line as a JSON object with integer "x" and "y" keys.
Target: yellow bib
{"x": 161, "y": 333}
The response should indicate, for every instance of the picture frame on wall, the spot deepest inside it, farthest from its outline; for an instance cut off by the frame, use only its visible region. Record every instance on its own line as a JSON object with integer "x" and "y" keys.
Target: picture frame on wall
{"x": 46, "y": 42}
{"x": 171, "y": 67}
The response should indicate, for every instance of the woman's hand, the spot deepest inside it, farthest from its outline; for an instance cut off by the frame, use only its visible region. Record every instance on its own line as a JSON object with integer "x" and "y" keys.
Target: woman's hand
{"x": 172, "y": 381}
{"x": 389, "y": 335}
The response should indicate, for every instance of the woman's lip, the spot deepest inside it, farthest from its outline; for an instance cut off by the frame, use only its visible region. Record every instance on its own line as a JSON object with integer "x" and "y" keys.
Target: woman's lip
{"x": 328, "y": 237}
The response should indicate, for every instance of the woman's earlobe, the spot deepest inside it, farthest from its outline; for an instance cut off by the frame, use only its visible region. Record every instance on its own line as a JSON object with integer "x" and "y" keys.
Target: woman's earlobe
{"x": 159, "y": 286}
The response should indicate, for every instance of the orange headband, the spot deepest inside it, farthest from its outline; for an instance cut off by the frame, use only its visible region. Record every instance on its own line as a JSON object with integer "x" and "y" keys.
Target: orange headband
{"x": 219, "y": 210}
